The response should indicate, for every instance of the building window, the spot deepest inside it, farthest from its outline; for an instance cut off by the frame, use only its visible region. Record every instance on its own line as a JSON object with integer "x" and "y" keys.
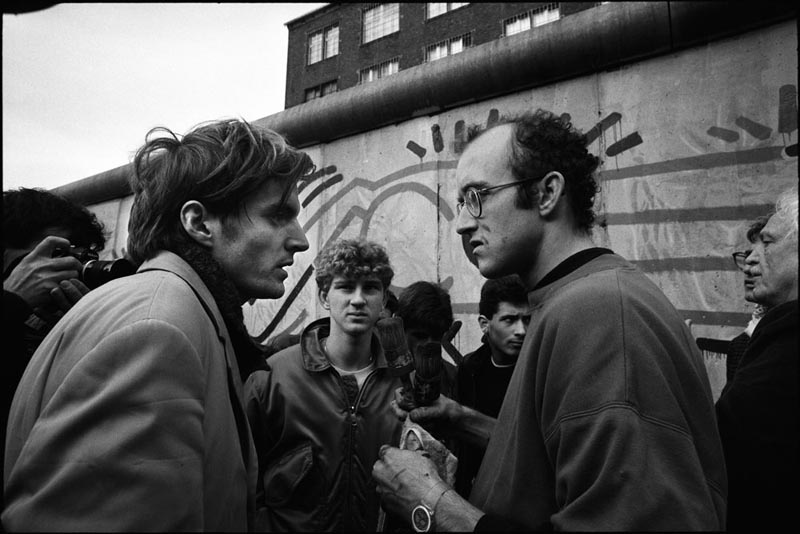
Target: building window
{"x": 323, "y": 44}
{"x": 321, "y": 90}
{"x": 440, "y": 8}
{"x": 448, "y": 47}
{"x": 531, "y": 19}
{"x": 387, "y": 68}
{"x": 380, "y": 20}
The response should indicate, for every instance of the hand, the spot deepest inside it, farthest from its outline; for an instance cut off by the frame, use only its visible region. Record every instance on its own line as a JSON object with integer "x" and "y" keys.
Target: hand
{"x": 438, "y": 418}
{"x": 67, "y": 293}
{"x": 39, "y": 273}
{"x": 403, "y": 478}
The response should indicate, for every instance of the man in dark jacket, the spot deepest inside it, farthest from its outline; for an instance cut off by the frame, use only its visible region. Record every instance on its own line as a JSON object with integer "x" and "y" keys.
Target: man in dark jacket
{"x": 322, "y": 410}
{"x": 757, "y": 411}
{"x": 37, "y": 287}
{"x": 484, "y": 375}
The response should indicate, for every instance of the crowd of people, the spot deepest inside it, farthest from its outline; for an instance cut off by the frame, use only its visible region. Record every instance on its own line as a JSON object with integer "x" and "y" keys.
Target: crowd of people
{"x": 143, "y": 404}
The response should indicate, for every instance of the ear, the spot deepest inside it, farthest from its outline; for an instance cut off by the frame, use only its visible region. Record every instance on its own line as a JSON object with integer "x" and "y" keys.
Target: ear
{"x": 195, "y": 220}
{"x": 551, "y": 190}
{"x": 323, "y": 299}
{"x": 483, "y": 322}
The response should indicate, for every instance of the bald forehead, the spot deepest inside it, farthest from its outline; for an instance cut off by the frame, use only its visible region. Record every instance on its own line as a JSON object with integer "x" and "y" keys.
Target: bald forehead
{"x": 485, "y": 157}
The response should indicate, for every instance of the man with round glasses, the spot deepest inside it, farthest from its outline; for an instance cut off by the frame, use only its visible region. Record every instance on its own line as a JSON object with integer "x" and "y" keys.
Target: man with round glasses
{"x": 608, "y": 422}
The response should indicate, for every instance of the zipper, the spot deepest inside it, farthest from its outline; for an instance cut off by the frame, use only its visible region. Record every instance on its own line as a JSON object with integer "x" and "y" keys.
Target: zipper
{"x": 350, "y": 438}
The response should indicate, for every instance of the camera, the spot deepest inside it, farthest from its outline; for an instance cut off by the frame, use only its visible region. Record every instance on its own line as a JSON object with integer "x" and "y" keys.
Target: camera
{"x": 96, "y": 272}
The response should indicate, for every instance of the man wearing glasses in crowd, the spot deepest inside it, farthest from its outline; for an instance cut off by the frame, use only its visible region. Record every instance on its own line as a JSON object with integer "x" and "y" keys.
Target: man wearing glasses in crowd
{"x": 739, "y": 343}
{"x": 757, "y": 410}
{"x": 608, "y": 422}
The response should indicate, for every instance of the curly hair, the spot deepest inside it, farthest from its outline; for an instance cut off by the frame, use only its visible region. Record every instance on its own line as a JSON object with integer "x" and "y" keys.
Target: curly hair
{"x": 505, "y": 289}
{"x": 219, "y": 164}
{"x": 425, "y": 305}
{"x": 27, "y": 213}
{"x": 786, "y": 209}
{"x": 352, "y": 259}
{"x": 544, "y": 142}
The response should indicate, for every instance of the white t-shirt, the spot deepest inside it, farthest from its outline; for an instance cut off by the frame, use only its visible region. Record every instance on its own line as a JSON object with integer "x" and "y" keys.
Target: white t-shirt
{"x": 360, "y": 375}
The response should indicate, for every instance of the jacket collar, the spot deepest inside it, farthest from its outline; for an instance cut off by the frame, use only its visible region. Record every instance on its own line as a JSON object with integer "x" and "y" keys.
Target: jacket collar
{"x": 171, "y": 262}
{"x": 314, "y": 358}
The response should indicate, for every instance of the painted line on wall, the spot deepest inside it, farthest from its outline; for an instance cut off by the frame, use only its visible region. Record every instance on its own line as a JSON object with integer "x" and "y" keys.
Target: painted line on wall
{"x": 285, "y": 306}
{"x": 721, "y": 213}
{"x": 320, "y": 188}
{"x": 690, "y": 264}
{"x": 719, "y": 318}
{"x": 377, "y": 184}
{"x": 707, "y": 161}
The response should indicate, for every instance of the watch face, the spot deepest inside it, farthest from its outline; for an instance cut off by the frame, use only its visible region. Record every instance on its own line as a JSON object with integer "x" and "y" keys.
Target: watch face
{"x": 421, "y": 519}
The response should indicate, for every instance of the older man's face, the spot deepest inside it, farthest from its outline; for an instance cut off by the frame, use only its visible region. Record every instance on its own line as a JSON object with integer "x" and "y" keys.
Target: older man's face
{"x": 772, "y": 265}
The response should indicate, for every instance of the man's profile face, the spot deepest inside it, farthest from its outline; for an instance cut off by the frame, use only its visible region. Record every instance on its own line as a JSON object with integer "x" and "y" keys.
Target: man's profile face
{"x": 503, "y": 238}
{"x": 505, "y": 331}
{"x": 258, "y": 243}
{"x": 773, "y": 264}
{"x": 355, "y": 304}
{"x": 749, "y": 279}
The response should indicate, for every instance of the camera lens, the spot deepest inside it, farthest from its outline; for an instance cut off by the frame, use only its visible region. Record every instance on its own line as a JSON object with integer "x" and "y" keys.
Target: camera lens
{"x": 97, "y": 272}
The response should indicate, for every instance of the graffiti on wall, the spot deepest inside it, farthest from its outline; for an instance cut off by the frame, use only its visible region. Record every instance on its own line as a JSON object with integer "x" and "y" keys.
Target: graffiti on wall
{"x": 607, "y": 137}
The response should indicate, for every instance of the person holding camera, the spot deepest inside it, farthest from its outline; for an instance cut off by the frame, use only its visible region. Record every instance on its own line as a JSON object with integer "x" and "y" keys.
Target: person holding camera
{"x": 129, "y": 416}
{"x": 37, "y": 287}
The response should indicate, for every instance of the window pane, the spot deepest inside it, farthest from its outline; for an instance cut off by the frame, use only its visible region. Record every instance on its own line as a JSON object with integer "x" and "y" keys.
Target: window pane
{"x": 389, "y": 68}
{"x": 315, "y": 47}
{"x": 436, "y": 9}
{"x": 330, "y": 87}
{"x": 456, "y": 46}
{"x": 543, "y": 17}
{"x": 332, "y": 42}
{"x": 518, "y": 25}
{"x": 380, "y": 20}
{"x": 438, "y": 51}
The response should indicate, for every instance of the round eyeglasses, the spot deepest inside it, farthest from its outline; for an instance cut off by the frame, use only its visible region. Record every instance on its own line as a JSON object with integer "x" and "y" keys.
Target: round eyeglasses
{"x": 740, "y": 257}
{"x": 472, "y": 197}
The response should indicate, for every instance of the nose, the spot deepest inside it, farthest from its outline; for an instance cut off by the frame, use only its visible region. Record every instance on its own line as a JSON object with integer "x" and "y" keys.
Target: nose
{"x": 464, "y": 221}
{"x": 358, "y": 297}
{"x": 519, "y": 328}
{"x": 296, "y": 240}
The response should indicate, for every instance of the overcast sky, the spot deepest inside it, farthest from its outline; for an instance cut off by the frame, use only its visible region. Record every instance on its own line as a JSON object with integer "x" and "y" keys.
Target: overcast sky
{"x": 83, "y": 83}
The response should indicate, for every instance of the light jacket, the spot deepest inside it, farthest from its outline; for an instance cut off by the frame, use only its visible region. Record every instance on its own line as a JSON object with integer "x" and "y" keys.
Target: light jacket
{"x": 318, "y": 438}
{"x": 125, "y": 418}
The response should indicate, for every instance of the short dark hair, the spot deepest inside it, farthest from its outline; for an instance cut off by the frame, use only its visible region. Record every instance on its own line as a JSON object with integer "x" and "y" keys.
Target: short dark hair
{"x": 505, "y": 289}
{"x": 28, "y": 212}
{"x": 219, "y": 164}
{"x": 391, "y": 301}
{"x": 425, "y": 305}
{"x": 352, "y": 259}
{"x": 545, "y": 142}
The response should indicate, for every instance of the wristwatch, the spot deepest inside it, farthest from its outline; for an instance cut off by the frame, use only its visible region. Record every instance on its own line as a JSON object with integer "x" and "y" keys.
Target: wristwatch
{"x": 422, "y": 516}
{"x": 422, "y": 519}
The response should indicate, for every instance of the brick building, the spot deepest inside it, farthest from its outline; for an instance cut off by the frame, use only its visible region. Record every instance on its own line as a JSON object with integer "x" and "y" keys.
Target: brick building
{"x": 342, "y": 45}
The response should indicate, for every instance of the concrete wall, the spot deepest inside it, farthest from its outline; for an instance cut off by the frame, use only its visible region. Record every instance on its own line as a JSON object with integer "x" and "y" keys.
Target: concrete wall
{"x": 695, "y": 144}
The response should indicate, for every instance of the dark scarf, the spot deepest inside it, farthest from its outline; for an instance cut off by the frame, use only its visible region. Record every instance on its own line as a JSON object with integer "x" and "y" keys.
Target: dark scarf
{"x": 249, "y": 355}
